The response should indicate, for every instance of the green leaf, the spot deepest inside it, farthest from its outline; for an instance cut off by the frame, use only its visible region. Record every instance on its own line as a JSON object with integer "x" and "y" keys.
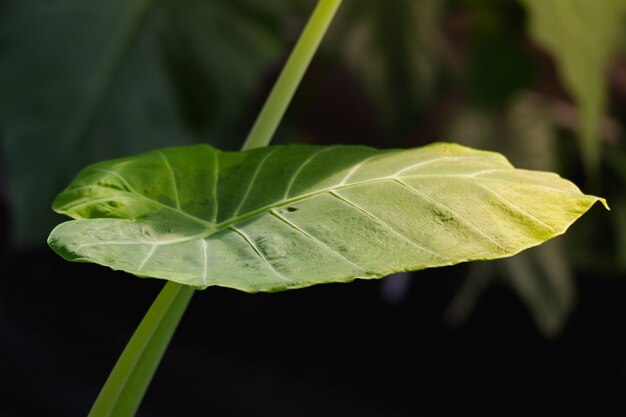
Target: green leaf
{"x": 291, "y": 216}
{"x": 582, "y": 36}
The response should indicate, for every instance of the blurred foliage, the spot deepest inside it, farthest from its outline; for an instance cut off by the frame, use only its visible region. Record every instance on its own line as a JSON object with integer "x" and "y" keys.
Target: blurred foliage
{"x": 582, "y": 36}
{"x": 544, "y": 82}
{"x": 84, "y": 81}
{"x": 397, "y": 64}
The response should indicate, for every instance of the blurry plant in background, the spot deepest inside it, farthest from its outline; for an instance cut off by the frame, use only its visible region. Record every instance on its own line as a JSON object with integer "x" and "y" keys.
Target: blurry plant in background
{"x": 100, "y": 80}
{"x": 85, "y": 81}
{"x": 543, "y": 82}
{"x": 534, "y": 123}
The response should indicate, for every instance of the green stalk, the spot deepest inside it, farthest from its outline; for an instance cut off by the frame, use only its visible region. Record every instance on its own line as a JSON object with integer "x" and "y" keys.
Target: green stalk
{"x": 124, "y": 389}
{"x": 127, "y": 383}
{"x": 293, "y": 71}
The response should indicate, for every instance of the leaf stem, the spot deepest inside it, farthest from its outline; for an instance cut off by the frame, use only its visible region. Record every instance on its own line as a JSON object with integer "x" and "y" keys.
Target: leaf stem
{"x": 124, "y": 389}
{"x": 127, "y": 383}
{"x": 289, "y": 79}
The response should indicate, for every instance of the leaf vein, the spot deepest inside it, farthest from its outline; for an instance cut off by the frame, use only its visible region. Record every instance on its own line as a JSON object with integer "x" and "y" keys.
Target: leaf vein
{"x": 252, "y": 180}
{"x": 144, "y": 242}
{"x": 255, "y": 248}
{"x": 522, "y": 210}
{"x": 119, "y": 176}
{"x": 319, "y": 242}
{"x": 387, "y": 226}
{"x": 132, "y": 190}
{"x": 439, "y": 159}
{"x": 171, "y": 172}
{"x": 297, "y": 172}
{"x": 205, "y": 262}
{"x": 148, "y": 256}
{"x": 454, "y": 213}
{"x": 355, "y": 168}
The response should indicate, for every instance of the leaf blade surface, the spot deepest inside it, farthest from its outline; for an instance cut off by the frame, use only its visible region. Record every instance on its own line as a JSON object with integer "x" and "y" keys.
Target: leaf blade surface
{"x": 291, "y": 216}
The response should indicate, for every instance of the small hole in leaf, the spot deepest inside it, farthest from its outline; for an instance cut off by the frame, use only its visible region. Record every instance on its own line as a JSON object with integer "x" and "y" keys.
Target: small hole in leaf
{"x": 291, "y": 209}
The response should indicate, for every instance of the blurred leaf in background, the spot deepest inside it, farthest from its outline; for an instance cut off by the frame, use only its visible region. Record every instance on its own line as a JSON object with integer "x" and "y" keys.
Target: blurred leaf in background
{"x": 83, "y": 81}
{"x": 396, "y": 51}
{"x": 582, "y": 37}
{"x": 507, "y": 107}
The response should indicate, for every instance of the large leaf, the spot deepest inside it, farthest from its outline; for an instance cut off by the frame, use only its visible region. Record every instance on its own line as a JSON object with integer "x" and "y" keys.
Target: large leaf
{"x": 291, "y": 216}
{"x": 582, "y": 35}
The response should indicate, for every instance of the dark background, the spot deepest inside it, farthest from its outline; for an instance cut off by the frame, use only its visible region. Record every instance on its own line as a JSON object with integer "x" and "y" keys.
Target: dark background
{"x": 470, "y": 340}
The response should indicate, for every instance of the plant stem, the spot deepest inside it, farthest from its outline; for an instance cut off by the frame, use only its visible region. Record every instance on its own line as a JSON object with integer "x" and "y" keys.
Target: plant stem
{"x": 124, "y": 389}
{"x": 289, "y": 79}
{"x": 127, "y": 383}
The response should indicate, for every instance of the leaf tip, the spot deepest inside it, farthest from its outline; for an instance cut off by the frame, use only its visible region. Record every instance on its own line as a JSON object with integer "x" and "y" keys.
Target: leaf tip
{"x": 604, "y": 203}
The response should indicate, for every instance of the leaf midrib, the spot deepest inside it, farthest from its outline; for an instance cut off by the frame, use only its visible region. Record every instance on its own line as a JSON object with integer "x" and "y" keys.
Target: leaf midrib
{"x": 217, "y": 227}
